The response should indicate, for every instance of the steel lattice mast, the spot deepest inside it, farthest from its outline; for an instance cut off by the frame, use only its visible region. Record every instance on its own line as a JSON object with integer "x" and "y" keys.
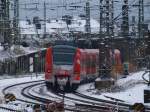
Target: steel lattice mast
{"x": 16, "y": 22}
{"x": 88, "y": 25}
{"x": 101, "y": 17}
{"x": 141, "y": 19}
{"x": 106, "y": 18}
{"x": 125, "y": 19}
{"x": 5, "y": 24}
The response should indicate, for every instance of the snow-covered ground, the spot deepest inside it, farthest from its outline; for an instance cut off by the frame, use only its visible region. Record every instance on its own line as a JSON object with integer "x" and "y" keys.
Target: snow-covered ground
{"x": 130, "y": 89}
{"x": 10, "y": 80}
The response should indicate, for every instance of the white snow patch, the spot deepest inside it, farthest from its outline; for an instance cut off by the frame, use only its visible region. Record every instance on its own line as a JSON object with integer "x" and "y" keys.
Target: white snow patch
{"x": 131, "y": 91}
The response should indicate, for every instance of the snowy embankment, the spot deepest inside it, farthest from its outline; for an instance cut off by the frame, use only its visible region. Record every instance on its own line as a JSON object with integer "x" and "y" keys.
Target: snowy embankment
{"x": 10, "y": 81}
{"x": 16, "y": 105}
{"x": 130, "y": 89}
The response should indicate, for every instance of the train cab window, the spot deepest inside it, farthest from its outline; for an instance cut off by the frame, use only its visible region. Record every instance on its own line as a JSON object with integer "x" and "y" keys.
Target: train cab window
{"x": 63, "y": 55}
{"x": 63, "y": 58}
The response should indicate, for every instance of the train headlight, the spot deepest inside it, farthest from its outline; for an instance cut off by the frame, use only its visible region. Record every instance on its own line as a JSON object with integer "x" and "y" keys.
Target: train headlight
{"x": 77, "y": 76}
{"x": 48, "y": 71}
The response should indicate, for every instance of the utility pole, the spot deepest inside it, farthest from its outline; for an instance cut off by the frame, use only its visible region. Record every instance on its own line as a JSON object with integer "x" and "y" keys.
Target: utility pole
{"x": 112, "y": 18}
{"x": 101, "y": 44}
{"x": 125, "y": 35}
{"x": 125, "y": 19}
{"x": 106, "y": 30}
{"x": 16, "y": 23}
{"x": 140, "y": 25}
{"x": 5, "y": 24}
{"x": 141, "y": 19}
{"x": 107, "y": 17}
{"x": 44, "y": 19}
{"x": 88, "y": 25}
{"x": 101, "y": 17}
{"x": 2, "y": 21}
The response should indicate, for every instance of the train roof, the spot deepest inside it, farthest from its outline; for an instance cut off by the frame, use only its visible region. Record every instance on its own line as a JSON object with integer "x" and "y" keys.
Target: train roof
{"x": 64, "y": 46}
{"x": 116, "y": 51}
{"x": 65, "y": 42}
{"x": 90, "y": 50}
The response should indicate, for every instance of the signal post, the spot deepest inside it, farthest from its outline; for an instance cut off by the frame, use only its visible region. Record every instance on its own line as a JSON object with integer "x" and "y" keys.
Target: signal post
{"x": 104, "y": 81}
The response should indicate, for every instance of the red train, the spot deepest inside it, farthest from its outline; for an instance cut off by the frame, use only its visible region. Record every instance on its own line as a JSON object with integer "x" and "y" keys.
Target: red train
{"x": 68, "y": 66}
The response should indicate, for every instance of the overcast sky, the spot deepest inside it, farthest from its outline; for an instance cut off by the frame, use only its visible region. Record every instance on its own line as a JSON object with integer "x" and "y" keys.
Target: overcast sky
{"x": 56, "y": 9}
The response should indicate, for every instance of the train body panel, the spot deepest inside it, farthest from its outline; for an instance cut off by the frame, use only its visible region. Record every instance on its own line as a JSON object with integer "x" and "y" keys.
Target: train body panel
{"x": 48, "y": 64}
{"x": 68, "y": 66}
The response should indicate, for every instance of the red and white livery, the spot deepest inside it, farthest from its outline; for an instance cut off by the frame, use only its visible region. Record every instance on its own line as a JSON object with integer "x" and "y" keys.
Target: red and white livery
{"x": 68, "y": 66}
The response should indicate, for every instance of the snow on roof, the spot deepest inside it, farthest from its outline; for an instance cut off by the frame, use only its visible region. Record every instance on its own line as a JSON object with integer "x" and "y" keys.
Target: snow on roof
{"x": 59, "y": 24}
{"x": 5, "y": 55}
{"x": 30, "y": 28}
{"x": 11, "y": 54}
{"x": 78, "y": 24}
{"x": 90, "y": 50}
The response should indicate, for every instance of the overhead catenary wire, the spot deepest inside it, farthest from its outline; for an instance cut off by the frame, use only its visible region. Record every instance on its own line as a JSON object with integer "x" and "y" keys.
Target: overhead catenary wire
{"x": 76, "y": 12}
{"x": 56, "y": 6}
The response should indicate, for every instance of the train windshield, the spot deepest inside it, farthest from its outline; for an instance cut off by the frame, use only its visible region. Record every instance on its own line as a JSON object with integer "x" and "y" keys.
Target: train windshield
{"x": 63, "y": 55}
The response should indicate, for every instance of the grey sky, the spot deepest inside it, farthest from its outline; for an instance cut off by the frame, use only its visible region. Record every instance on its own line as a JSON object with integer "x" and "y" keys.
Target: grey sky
{"x": 56, "y": 9}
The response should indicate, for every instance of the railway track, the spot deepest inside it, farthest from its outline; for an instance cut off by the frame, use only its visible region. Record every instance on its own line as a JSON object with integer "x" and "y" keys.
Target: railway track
{"x": 6, "y": 109}
{"x": 81, "y": 102}
{"x": 78, "y": 105}
{"x": 78, "y": 98}
{"x": 26, "y": 94}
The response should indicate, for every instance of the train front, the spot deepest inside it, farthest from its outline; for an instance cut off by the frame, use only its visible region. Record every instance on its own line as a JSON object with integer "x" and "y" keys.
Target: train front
{"x": 63, "y": 67}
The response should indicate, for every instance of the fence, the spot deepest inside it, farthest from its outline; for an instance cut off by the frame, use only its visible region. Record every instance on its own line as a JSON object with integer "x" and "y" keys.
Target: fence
{"x": 28, "y": 63}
